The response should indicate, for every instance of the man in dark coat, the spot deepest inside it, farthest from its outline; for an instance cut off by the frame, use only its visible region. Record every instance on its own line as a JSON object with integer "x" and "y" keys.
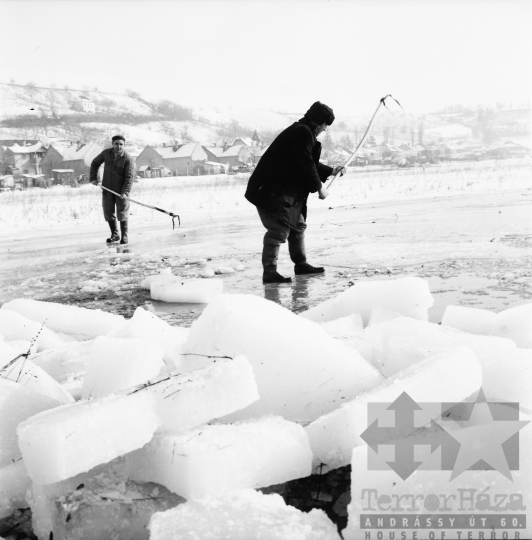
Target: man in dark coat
{"x": 279, "y": 187}
{"x": 118, "y": 174}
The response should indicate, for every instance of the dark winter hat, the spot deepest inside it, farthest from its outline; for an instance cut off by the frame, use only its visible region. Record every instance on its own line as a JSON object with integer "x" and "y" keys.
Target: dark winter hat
{"x": 319, "y": 113}
{"x": 118, "y": 138}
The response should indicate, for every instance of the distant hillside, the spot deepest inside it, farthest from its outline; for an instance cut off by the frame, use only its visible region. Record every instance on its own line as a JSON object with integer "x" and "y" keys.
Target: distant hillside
{"x": 22, "y": 100}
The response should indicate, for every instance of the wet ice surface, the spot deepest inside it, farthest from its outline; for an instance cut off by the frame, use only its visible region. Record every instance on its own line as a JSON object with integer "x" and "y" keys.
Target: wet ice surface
{"x": 473, "y": 249}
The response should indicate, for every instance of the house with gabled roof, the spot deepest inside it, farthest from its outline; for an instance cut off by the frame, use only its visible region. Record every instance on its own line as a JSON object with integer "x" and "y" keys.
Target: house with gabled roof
{"x": 22, "y": 159}
{"x": 79, "y": 157}
{"x": 213, "y": 152}
{"x": 52, "y": 159}
{"x": 187, "y": 160}
{"x": 235, "y": 156}
{"x": 248, "y": 141}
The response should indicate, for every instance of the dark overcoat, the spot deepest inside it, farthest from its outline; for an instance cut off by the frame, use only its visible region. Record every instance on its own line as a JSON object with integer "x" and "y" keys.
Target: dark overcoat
{"x": 118, "y": 173}
{"x": 287, "y": 173}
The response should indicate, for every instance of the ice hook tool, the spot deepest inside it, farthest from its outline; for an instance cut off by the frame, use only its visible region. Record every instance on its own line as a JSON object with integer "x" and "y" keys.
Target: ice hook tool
{"x": 148, "y": 206}
{"x": 363, "y": 140}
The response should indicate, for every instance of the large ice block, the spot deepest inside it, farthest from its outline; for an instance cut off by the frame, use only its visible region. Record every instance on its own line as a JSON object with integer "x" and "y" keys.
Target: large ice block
{"x": 147, "y": 326}
{"x": 32, "y": 377}
{"x": 344, "y": 327}
{"x": 401, "y": 342}
{"x": 121, "y": 511}
{"x": 116, "y": 364}
{"x": 217, "y": 458}
{"x": 301, "y": 371}
{"x": 14, "y": 326}
{"x": 409, "y": 296}
{"x": 162, "y": 278}
{"x": 472, "y": 320}
{"x": 429, "y": 493}
{"x": 446, "y": 377}
{"x": 73, "y": 320}
{"x": 14, "y": 482}
{"x": 43, "y": 498}
{"x": 241, "y": 515}
{"x": 516, "y": 323}
{"x": 67, "y": 365}
{"x": 76, "y": 437}
{"x": 16, "y": 405}
{"x": 187, "y": 291}
{"x": 187, "y": 400}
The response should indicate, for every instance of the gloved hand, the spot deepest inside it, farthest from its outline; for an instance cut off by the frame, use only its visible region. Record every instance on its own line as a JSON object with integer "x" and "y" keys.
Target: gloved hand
{"x": 323, "y": 193}
{"x": 125, "y": 196}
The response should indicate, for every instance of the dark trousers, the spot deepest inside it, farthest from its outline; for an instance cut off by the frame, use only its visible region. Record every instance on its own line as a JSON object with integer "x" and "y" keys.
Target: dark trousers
{"x": 277, "y": 233}
{"x": 109, "y": 202}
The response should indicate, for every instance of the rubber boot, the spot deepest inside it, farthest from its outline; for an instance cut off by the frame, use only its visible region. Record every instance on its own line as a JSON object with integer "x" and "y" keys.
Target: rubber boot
{"x": 123, "y": 229}
{"x": 296, "y": 248}
{"x": 113, "y": 225}
{"x": 270, "y": 253}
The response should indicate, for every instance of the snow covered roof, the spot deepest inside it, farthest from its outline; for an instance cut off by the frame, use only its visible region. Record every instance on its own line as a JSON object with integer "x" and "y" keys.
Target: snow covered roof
{"x": 216, "y": 150}
{"x": 246, "y": 140}
{"x": 165, "y": 151}
{"x": 87, "y": 151}
{"x": 17, "y": 149}
{"x": 185, "y": 150}
{"x": 232, "y": 151}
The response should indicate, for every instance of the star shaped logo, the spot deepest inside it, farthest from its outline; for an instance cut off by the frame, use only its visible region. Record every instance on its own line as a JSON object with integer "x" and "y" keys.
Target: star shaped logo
{"x": 483, "y": 437}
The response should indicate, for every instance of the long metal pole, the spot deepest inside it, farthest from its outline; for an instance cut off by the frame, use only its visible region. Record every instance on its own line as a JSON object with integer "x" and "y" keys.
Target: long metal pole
{"x": 148, "y": 206}
{"x": 363, "y": 140}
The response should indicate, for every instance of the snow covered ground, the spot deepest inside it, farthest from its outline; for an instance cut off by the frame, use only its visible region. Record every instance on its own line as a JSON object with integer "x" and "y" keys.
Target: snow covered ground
{"x": 465, "y": 227}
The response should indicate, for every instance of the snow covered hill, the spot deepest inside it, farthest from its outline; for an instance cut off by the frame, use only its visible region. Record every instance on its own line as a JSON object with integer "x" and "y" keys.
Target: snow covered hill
{"x": 18, "y": 100}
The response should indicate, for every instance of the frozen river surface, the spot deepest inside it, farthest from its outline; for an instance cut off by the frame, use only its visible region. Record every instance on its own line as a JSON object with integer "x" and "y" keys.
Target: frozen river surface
{"x": 474, "y": 249}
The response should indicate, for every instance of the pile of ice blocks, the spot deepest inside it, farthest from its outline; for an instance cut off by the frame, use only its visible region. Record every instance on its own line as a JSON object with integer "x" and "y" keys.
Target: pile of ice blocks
{"x": 138, "y": 429}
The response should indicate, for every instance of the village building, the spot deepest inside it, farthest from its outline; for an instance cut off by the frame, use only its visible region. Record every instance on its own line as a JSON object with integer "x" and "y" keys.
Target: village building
{"x": 151, "y": 159}
{"x": 236, "y": 156}
{"x": 248, "y": 141}
{"x": 213, "y": 152}
{"x": 84, "y": 104}
{"x": 257, "y": 139}
{"x": 19, "y": 160}
{"x": 79, "y": 157}
{"x": 52, "y": 159}
{"x": 188, "y": 160}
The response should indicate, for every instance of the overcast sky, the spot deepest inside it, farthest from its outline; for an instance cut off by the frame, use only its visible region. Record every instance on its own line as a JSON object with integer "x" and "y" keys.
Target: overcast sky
{"x": 277, "y": 54}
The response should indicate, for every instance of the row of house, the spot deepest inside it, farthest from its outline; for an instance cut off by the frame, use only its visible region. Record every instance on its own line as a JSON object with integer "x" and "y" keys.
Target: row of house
{"x": 32, "y": 159}
{"x": 193, "y": 159}
{"x": 459, "y": 150}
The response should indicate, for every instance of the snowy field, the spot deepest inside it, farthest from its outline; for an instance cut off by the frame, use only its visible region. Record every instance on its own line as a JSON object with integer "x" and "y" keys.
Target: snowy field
{"x": 210, "y": 195}
{"x": 399, "y": 248}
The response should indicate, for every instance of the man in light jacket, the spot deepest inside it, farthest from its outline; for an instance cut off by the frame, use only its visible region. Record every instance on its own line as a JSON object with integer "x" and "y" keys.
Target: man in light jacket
{"x": 118, "y": 174}
{"x": 279, "y": 187}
